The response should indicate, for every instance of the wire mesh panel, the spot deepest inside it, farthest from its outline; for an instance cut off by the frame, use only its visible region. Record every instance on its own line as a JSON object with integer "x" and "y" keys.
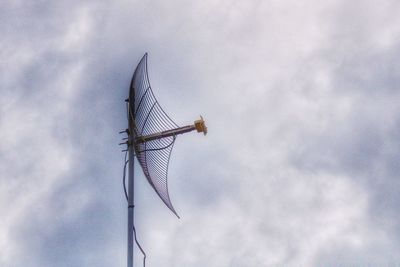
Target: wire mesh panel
{"x": 147, "y": 117}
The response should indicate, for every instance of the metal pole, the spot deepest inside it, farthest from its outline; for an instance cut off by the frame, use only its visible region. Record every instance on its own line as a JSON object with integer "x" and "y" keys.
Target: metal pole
{"x": 130, "y": 201}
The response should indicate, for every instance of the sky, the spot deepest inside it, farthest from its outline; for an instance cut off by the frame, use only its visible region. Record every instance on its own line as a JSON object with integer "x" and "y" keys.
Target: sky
{"x": 300, "y": 166}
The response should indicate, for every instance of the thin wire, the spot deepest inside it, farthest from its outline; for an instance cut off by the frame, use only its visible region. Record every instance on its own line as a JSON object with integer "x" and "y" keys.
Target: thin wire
{"x": 124, "y": 175}
{"x": 161, "y": 148}
{"x": 140, "y": 247}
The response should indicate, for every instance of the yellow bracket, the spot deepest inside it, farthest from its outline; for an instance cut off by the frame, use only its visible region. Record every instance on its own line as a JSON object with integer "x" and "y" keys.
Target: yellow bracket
{"x": 200, "y": 126}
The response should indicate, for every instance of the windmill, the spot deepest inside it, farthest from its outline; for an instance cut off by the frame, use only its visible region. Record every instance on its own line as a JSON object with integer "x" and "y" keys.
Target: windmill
{"x": 151, "y": 135}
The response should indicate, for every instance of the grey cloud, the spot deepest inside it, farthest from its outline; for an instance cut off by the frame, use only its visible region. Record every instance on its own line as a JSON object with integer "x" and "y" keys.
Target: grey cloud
{"x": 299, "y": 167}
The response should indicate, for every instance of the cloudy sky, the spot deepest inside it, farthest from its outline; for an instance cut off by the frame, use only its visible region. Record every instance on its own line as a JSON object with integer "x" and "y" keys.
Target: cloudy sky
{"x": 301, "y": 163}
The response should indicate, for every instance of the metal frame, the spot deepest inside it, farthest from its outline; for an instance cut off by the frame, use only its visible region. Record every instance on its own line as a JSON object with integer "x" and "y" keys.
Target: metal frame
{"x": 152, "y": 145}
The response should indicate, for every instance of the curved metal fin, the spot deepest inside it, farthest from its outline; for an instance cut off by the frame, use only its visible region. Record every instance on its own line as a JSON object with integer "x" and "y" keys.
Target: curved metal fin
{"x": 147, "y": 117}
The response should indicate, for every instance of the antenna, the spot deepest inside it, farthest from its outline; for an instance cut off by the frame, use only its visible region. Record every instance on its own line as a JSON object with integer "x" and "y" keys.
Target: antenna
{"x": 151, "y": 137}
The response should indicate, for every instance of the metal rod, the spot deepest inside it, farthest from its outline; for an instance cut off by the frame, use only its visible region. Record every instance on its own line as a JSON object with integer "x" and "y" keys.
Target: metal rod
{"x": 173, "y": 132}
{"x": 130, "y": 204}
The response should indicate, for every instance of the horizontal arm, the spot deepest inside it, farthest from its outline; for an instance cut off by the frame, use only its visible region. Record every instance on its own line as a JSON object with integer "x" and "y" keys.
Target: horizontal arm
{"x": 163, "y": 134}
{"x": 199, "y": 125}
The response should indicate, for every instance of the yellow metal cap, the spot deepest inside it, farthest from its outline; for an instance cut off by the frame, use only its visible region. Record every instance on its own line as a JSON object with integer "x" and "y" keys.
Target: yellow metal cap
{"x": 200, "y": 126}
